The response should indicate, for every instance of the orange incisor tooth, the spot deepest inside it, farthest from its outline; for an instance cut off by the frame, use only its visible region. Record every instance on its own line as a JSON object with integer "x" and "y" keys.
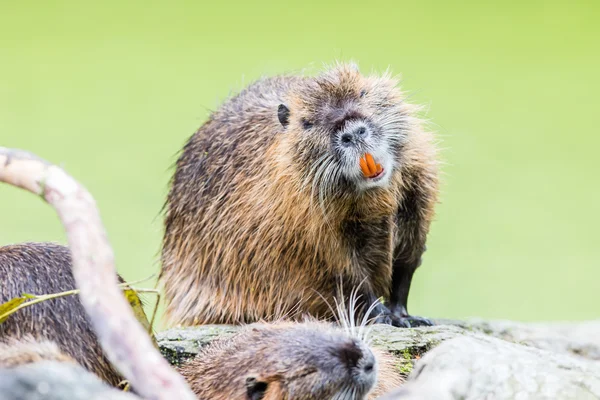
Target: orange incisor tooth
{"x": 379, "y": 168}
{"x": 363, "y": 166}
{"x": 371, "y": 164}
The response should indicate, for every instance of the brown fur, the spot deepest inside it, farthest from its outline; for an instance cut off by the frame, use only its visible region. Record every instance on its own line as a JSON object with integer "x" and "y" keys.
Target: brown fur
{"x": 251, "y": 232}
{"x": 294, "y": 360}
{"x": 45, "y": 268}
{"x": 28, "y": 350}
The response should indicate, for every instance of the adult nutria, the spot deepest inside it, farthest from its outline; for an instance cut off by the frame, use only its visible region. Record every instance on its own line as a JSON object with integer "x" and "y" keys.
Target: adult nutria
{"x": 293, "y": 188}
{"x": 45, "y": 268}
{"x": 296, "y": 361}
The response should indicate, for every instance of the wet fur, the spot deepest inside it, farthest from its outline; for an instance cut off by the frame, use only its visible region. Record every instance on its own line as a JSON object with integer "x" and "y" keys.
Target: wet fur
{"x": 260, "y": 222}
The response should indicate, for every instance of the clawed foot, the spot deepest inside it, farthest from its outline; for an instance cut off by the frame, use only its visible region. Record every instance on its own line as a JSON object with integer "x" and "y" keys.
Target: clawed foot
{"x": 396, "y": 316}
{"x": 411, "y": 321}
{"x": 407, "y": 321}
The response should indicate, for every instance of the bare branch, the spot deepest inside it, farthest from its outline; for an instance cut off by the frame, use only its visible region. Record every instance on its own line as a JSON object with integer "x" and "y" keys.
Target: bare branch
{"x": 124, "y": 341}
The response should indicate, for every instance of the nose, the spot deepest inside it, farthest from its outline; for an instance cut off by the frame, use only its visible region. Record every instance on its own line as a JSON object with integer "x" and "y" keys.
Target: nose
{"x": 350, "y": 138}
{"x": 350, "y": 354}
{"x": 357, "y": 357}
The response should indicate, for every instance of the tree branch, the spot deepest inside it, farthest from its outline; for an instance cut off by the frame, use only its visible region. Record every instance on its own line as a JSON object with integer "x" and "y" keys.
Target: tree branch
{"x": 124, "y": 341}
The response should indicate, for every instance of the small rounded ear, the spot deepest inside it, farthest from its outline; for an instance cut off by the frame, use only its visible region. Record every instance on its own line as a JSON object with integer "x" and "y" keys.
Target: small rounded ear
{"x": 283, "y": 113}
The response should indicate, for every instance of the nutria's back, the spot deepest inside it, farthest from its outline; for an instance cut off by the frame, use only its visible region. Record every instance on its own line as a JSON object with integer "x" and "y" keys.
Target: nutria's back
{"x": 45, "y": 268}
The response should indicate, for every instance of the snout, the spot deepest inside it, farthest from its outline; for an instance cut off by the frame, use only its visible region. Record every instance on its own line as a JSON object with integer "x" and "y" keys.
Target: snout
{"x": 354, "y": 134}
{"x": 360, "y": 363}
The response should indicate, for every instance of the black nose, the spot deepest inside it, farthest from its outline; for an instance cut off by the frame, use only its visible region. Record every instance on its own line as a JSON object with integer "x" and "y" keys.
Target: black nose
{"x": 347, "y": 139}
{"x": 350, "y": 138}
{"x": 350, "y": 354}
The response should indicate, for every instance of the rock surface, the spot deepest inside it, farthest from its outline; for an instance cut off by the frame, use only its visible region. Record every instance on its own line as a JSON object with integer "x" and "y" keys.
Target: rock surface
{"x": 472, "y": 359}
{"x": 490, "y": 368}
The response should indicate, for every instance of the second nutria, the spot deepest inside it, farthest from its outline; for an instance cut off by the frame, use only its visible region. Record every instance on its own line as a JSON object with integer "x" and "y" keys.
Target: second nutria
{"x": 285, "y": 360}
{"x": 45, "y": 268}
{"x": 293, "y": 188}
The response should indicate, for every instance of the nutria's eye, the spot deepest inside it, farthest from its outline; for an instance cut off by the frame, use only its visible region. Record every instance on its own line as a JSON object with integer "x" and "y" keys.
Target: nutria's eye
{"x": 363, "y": 93}
{"x": 306, "y": 124}
{"x": 255, "y": 389}
{"x": 283, "y": 114}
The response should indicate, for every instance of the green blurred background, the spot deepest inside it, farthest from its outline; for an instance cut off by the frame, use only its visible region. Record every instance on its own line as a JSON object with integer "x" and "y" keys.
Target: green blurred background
{"x": 112, "y": 89}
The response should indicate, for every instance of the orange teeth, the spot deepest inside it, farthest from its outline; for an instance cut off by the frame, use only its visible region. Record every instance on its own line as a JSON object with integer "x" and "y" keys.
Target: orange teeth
{"x": 368, "y": 166}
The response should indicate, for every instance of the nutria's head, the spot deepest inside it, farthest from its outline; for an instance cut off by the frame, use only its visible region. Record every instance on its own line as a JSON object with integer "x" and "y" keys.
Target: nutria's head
{"x": 284, "y": 361}
{"x": 332, "y": 121}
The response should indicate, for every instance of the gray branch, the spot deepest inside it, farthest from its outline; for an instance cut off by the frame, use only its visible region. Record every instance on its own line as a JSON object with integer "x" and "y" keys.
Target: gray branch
{"x": 125, "y": 342}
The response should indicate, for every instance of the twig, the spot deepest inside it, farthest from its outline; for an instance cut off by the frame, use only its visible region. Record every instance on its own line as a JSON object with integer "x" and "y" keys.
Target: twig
{"x": 37, "y": 299}
{"x": 31, "y": 299}
{"x": 153, "y": 319}
{"x": 123, "y": 339}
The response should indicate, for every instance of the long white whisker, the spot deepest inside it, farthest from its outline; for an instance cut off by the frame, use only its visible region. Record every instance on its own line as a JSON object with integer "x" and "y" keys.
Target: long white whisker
{"x": 364, "y": 333}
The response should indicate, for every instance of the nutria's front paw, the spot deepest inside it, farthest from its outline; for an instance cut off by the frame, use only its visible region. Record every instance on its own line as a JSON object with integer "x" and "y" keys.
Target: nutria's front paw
{"x": 387, "y": 318}
{"x": 402, "y": 322}
{"x": 412, "y": 321}
{"x": 384, "y": 318}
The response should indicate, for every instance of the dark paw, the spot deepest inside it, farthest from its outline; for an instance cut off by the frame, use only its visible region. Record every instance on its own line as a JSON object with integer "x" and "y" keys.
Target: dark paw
{"x": 385, "y": 319}
{"x": 413, "y": 322}
{"x": 390, "y": 319}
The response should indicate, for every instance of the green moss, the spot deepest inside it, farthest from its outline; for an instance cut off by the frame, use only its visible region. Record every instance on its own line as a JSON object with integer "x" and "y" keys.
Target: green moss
{"x": 405, "y": 367}
{"x": 176, "y": 355}
{"x": 406, "y": 354}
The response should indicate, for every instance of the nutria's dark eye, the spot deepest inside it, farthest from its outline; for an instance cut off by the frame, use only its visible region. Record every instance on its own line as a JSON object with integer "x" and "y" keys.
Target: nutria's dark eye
{"x": 255, "y": 389}
{"x": 363, "y": 93}
{"x": 307, "y": 124}
{"x": 283, "y": 114}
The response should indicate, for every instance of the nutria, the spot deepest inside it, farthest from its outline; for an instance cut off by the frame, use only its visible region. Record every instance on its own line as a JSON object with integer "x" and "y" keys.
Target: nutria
{"x": 45, "y": 268}
{"x": 293, "y": 188}
{"x": 310, "y": 360}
